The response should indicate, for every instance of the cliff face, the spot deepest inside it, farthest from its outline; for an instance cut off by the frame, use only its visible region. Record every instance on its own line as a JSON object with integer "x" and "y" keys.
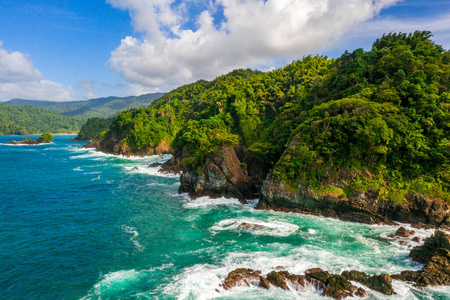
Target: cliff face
{"x": 360, "y": 207}
{"x": 118, "y": 147}
{"x": 221, "y": 176}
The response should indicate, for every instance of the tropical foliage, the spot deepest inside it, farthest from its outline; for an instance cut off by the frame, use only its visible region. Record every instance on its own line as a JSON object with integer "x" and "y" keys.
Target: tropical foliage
{"x": 46, "y": 137}
{"x": 28, "y": 120}
{"x": 93, "y": 128}
{"x": 369, "y": 120}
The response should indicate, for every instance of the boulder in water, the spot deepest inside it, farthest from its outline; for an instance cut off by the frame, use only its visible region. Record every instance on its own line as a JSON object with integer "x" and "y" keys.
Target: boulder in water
{"x": 241, "y": 277}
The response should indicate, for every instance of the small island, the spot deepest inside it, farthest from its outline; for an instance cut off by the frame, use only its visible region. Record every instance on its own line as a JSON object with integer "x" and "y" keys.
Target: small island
{"x": 45, "y": 138}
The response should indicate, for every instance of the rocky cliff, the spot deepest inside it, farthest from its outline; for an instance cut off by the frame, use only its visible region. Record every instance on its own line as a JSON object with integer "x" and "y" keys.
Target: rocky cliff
{"x": 363, "y": 207}
{"x": 221, "y": 176}
{"x": 118, "y": 147}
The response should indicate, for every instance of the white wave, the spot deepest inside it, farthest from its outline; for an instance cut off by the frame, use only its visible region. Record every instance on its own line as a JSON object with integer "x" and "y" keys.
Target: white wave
{"x": 133, "y": 231}
{"x": 312, "y": 231}
{"x": 98, "y": 177}
{"x": 198, "y": 282}
{"x": 78, "y": 169}
{"x": 202, "y": 202}
{"x": 163, "y": 184}
{"x": 145, "y": 169}
{"x": 202, "y": 281}
{"x": 256, "y": 227}
{"x": 91, "y": 173}
{"x": 369, "y": 242}
{"x": 116, "y": 283}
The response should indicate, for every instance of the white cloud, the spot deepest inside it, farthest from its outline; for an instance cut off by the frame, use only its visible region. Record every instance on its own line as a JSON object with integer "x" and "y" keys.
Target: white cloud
{"x": 250, "y": 33}
{"x": 363, "y": 36}
{"x": 20, "y": 79}
{"x": 88, "y": 89}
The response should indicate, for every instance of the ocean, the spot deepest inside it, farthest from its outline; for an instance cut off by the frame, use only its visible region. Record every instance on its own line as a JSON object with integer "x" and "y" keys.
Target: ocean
{"x": 78, "y": 224}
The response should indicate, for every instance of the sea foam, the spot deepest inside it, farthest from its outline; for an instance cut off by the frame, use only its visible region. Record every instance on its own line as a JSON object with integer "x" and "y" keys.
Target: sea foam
{"x": 256, "y": 227}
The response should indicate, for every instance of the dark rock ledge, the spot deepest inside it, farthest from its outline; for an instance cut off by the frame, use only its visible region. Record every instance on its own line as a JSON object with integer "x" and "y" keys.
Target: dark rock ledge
{"x": 435, "y": 254}
{"x": 227, "y": 174}
{"x": 416, "y": 209}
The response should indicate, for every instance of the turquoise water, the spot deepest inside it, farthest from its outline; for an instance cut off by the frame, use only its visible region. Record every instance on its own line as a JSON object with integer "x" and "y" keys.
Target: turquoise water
{"x": 76, "y": 224}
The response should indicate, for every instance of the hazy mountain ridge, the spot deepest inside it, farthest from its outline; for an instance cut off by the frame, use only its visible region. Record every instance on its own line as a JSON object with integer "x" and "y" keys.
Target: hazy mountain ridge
{"x": 99, "y": 107}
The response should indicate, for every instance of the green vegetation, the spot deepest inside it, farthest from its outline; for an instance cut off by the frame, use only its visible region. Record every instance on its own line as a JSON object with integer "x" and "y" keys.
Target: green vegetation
{"x": 373, "y": 120}
{"x": 28, "y": 120}
{"x": 94, "y": 108}
{"x": 93, "y": 128}
{"x": 45, "y": 137}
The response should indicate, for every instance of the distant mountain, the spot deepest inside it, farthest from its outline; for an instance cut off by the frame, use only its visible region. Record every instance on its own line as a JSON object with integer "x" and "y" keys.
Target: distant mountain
{"x": 27, "y": 119}
{"x": 100, "y": 107}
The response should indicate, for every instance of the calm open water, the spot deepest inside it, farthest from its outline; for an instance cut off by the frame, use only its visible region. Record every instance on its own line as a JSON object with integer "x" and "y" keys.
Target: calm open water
{"x": 77, "y": 224}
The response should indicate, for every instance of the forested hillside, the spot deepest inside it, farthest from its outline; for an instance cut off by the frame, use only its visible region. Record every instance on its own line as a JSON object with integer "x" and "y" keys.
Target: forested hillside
{"x": 369, "y": 121}
{"x": 101, "y": 107}
{"x": 28, "y": 120}
{"x": 93, "y": 128}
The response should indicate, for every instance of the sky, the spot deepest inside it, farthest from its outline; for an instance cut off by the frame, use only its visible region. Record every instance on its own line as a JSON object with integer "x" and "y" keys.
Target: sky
{"x": 66, "y": 50}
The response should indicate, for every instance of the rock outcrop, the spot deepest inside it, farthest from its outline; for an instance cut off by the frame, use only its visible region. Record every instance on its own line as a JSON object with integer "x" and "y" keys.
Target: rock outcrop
{"x": 222, "y": 176}
{"x": 112, "y": 146}
{"x": 27, "y": 141}
{"x": 331, "y": 285}
{"x": 435, "y": 254}
{"x": 361, "y": 207}
{"x": 241, "y": 277}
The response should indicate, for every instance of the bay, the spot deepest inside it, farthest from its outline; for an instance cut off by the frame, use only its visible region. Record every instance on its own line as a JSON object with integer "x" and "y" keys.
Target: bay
{"x": 77, "y": 224}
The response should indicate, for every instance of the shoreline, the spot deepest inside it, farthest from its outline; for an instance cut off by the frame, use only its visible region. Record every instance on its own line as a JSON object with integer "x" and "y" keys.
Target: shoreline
{"x": 380, "y": 220}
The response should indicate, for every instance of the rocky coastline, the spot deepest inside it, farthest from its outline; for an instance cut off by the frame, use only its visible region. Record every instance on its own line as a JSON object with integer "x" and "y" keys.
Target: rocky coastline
{"x": 226, "y": 175}
{"x": 434, "y": 254}
{"x": 118, "y": 147}
{"x": 416, "y": 209}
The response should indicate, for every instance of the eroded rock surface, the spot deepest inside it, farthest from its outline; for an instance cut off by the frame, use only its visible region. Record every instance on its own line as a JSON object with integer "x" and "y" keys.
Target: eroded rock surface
{"x": 435, "y": 254}
{"x": 222, "y": 176}
{"x": 359, "y": 207}
{"x": 330, "y": 285}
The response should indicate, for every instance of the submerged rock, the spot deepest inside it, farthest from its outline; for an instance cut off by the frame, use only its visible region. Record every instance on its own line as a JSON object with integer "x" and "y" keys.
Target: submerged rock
{"x": 402, "y": 232}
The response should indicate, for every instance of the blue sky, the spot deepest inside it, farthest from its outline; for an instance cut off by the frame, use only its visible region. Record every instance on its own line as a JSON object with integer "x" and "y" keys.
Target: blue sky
{"x": 72, "y": 50}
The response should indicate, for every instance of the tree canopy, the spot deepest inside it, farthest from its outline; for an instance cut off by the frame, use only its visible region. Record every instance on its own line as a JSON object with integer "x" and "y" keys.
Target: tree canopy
{"x": 376, "y": 119}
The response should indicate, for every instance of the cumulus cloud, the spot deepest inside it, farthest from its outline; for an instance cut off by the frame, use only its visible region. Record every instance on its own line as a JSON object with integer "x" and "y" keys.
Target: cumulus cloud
{"x": 19, "y": 78}
{"x": 183, "y": 41}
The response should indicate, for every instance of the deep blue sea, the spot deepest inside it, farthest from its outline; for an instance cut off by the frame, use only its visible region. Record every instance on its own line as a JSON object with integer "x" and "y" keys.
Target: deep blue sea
{"x": 78, "y": 224}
